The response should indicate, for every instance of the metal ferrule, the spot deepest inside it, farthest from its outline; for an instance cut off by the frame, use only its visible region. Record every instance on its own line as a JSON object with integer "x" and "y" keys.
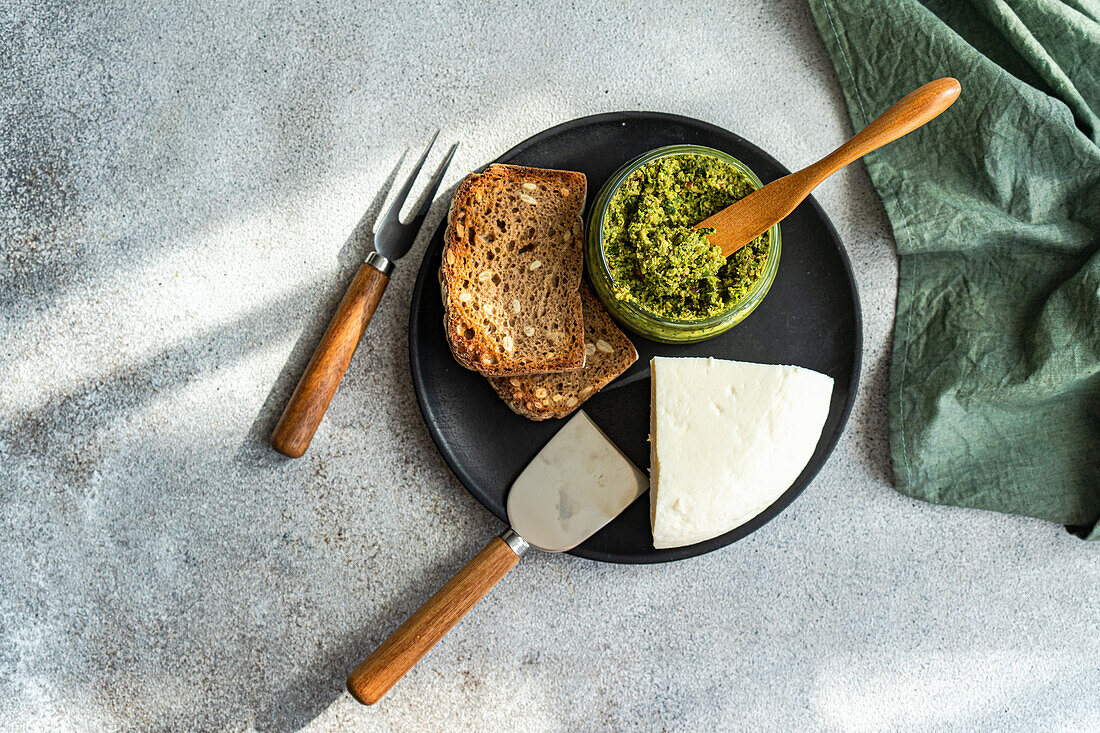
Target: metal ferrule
{"x": 379, "y": 263}
{"x": 514, "y": 541}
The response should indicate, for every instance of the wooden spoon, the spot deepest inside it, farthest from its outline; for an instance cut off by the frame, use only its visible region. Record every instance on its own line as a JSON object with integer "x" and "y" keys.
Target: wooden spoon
{"x": 740, "y": 223}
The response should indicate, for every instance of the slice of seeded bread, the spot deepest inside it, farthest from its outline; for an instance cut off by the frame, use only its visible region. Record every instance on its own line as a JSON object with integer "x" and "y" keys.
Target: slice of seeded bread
{"x": 542, "y": 396}
{"x": 511, "y": 271}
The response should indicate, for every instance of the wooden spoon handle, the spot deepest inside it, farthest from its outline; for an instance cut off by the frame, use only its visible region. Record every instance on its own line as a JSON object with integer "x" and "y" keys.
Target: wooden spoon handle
{"x": 318, "y": 384}
{"x": 404, "y": 647}
{"x": 740, "y": 223}
{"x": 910, "y": 112}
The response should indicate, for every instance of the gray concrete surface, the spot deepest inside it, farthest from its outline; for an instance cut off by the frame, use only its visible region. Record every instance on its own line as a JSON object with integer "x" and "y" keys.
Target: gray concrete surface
{"x": 182, "y": 187}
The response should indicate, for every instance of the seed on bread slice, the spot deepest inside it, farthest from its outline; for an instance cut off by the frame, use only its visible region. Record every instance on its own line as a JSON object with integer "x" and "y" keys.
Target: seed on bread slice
{"x": 511, "y": 271}
{"x": 609, "y": 354}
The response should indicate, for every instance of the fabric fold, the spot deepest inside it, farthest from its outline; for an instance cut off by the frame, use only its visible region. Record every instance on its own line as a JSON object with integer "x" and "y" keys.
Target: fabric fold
{"x": 994, "y": 397}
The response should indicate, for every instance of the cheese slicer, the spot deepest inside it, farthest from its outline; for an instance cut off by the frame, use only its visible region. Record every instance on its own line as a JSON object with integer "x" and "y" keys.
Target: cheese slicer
{"x": 574, "y": 486}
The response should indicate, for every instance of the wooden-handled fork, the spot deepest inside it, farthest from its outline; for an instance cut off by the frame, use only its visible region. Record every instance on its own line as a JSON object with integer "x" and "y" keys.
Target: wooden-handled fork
{"x": 740, "y": 223}
{"x": 322, "y": 376}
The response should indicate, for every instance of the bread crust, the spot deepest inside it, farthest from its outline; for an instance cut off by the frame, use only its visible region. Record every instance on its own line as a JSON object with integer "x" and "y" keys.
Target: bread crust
{"x": 545, "y": 396}
{"x": 471, "y": 343}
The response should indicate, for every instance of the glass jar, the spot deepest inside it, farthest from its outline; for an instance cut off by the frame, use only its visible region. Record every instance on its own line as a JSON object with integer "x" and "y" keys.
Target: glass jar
{"x": 631, "y": 314}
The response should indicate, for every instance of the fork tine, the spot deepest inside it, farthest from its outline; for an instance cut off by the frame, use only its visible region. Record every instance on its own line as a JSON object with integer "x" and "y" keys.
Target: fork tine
{"x": 394, "y": 213}
{"x": 433, "y": 186}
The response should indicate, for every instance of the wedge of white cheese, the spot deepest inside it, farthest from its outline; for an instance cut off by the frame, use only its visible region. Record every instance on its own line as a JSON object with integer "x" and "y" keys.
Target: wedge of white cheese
{"x": 727, "y": 438}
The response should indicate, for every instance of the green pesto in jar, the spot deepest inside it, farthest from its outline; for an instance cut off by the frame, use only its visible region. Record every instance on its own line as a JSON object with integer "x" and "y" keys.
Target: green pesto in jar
{"x": 657, "y": 259}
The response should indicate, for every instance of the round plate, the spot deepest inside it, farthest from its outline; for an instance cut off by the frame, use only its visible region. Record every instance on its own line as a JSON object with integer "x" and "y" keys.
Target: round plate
{"x": 810, "y": 318}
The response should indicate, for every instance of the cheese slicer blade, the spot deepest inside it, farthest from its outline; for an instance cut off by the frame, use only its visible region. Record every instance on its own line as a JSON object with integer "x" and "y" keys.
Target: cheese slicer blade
{"x": 574, "y": 486}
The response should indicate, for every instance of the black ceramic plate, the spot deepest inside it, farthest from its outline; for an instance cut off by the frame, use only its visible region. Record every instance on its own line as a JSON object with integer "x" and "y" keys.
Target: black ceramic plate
{"x": 810, "y": 318}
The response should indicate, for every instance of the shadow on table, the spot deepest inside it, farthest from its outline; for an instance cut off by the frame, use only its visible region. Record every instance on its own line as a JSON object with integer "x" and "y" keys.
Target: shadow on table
{"x": 153, "y": 523}
{"x": 874, "y": 439}
{"x": 359, "y": 244}
{"x": 321, "y": 682}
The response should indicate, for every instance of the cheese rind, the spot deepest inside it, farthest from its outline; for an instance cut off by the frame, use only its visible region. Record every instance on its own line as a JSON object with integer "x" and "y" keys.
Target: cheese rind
{"x": 728, "y": 438}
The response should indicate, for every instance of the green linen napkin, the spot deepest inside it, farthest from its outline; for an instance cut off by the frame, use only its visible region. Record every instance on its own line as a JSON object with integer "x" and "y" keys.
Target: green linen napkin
{"x": 994, "y": 395}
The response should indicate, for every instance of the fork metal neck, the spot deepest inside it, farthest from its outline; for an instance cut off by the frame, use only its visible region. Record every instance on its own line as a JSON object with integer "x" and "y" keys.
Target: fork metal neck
{"x": 379, "y": 263}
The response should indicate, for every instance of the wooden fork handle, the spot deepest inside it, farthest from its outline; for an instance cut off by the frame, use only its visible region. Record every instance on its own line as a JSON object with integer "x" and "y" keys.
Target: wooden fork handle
{"x": 330, "y": 360}
{"x": 431, "y": 622}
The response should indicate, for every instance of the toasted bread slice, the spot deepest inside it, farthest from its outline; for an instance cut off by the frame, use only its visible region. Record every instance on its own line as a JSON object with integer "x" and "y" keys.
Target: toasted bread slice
{"x": 511, "y": 271}
{"x": 609, "y": 354}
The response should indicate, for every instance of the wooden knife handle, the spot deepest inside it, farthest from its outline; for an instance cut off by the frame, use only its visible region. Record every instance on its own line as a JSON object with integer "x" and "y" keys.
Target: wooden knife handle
{"x": 404, "y": 647}
{"x": 325, "y": 370}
